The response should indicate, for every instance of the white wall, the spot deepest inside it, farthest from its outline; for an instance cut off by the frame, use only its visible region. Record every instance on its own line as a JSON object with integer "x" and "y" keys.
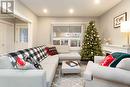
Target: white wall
{"x": 106, "y": 23}
{"x": 44, "y": 27}
{"x": 24, "y": 11}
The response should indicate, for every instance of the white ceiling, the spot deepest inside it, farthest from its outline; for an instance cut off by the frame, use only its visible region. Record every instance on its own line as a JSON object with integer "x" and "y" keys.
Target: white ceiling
{"x": 60, "y": 8}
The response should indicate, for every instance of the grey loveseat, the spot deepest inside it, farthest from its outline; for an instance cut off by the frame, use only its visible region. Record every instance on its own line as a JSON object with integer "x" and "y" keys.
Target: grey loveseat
{"x": 100, "y": 76}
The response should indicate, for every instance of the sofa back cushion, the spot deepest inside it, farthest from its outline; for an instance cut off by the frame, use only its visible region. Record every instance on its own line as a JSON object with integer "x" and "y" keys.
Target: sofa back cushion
{"x": 5, "y": 63}
{"x": 62, "y": 48}
{"x": 124, "y": 64}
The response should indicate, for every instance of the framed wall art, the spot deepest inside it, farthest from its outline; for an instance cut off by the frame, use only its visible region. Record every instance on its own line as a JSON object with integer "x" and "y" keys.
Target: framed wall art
{"x": 120, "y": 18}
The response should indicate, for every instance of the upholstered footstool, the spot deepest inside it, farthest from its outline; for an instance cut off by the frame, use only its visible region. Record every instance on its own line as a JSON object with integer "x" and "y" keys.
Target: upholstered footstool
{"x": 66, "y": 69}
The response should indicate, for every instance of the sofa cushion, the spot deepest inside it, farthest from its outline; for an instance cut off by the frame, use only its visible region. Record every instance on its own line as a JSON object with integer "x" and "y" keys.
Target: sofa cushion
{"x": 71, "y": 55}
{"x": 119, "y": 56}
{"x": 107, "y": 61}
{"x": 49, "y": 65}
{"x": 124, "y": 64}
{"x": 5, "y": 63}
{"x": 62, "y": 48}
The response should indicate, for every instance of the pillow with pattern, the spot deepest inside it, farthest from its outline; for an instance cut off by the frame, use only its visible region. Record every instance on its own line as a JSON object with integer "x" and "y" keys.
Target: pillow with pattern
{"x": 33, "y": 61}
{"x": 26, "y": 58}
{"x": 51, "y": 51}
{"x": 21, "y": 64}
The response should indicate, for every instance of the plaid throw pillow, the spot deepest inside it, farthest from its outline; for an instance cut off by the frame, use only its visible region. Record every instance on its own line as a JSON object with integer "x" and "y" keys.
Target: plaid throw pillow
{"x": 25, "y": 56}
{"x": 32, "y": 55}
{"x": 43, "y": 52}
{"x": 13, "y": 58}
{"x": 33, "y": 61}
{"x": 21, "y": 54}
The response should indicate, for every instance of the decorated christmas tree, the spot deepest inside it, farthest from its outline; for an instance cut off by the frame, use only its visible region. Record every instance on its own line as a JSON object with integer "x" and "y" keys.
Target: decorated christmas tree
{"x": 91, "y": 45}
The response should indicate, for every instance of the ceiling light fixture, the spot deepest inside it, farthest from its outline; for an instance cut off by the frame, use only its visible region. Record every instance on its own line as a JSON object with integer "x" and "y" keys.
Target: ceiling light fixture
{"x": 71, "y": 11}
{"x": 45, "y": 10}
{"x": 97, "y": 1}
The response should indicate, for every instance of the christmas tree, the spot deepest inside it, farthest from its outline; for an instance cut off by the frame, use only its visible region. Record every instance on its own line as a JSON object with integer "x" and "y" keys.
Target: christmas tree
{"x": 91, "y": 43}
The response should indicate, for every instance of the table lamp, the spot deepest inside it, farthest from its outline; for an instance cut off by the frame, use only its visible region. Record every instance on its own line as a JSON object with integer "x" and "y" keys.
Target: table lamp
{"x": 125, "y": 27}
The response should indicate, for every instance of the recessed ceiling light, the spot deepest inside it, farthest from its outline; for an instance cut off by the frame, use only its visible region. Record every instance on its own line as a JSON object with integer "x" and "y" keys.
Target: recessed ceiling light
{"x": 71, "y": 11}
{"x": 97, "y": 1}
{"x": 45, "y": 10}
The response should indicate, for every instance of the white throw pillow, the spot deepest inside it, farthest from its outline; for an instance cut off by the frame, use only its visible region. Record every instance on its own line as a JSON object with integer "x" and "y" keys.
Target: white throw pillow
{"x": 5, "y": 63}
{"x": 124, "y": 64}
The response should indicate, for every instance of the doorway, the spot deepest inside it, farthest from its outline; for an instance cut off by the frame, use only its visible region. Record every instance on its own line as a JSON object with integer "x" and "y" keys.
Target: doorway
{"x": 21, "y": 35}
{"x": 14, "y": 34}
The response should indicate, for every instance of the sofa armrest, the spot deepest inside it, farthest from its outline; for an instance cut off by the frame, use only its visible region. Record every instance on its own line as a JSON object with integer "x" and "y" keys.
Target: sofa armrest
{"x": 110, "y": 74}
{"x": 87, "y": 75}
{"x": 98, "y": 59}
{"x": 22, "y": 78}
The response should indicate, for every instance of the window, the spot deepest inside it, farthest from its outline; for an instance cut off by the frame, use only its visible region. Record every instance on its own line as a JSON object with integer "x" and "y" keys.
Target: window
{"x": 67, "y": 35}
{"x": 56, "y": 42}
{"x": 23, "y": 35}
{"x": 75, "y": 43}
{"x": 64, "y": 42}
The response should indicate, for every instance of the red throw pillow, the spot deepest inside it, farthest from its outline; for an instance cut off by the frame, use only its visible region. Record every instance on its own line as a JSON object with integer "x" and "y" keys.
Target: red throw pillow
{"x": 47, "y": 49}
{"x": 107, "y": 61}
{"x": 20, "y": 61}
{"x": 51, "y": 51}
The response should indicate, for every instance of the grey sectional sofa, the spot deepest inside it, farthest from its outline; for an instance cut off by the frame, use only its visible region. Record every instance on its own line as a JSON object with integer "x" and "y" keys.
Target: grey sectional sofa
{"x": 10, "y": 77}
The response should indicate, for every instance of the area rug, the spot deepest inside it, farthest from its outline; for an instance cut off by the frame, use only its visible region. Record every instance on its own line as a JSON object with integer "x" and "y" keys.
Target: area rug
{"x": 69, "y": 80}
